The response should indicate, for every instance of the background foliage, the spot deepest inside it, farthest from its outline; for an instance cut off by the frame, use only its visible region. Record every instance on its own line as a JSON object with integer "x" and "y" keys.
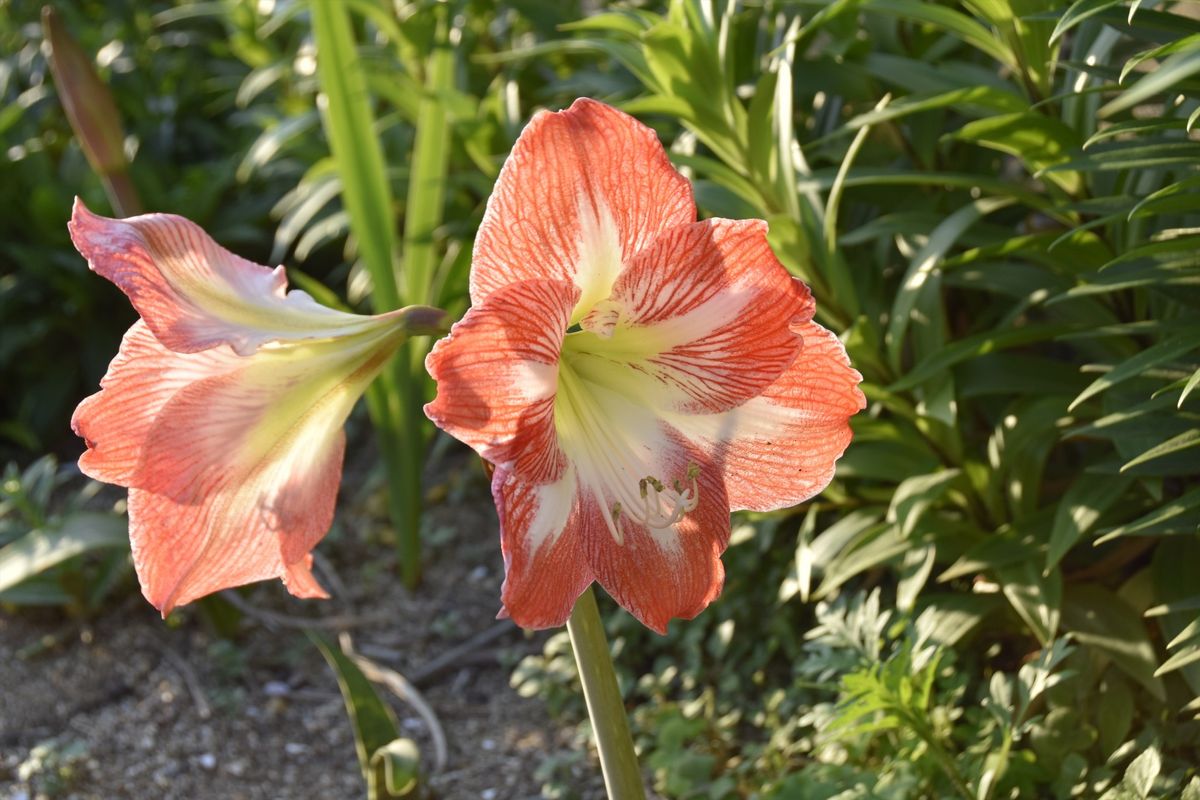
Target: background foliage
{"x": 995, "y": 201}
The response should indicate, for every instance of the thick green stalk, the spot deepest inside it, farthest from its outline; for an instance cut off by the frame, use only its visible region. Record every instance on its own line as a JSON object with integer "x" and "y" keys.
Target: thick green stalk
{"x": 422, "y": 216}
{"x": 350, "y": 127}
{"x": 423, "y": 212}
{"x": 622, "y": 776}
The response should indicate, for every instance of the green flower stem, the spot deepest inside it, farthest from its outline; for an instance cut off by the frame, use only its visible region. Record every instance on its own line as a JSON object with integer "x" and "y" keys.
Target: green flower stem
{"x": 405, "y": 457}
{"x": 622, "y": 776}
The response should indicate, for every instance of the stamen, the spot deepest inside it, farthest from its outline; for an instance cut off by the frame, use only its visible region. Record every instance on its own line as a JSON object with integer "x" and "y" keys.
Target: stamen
{"x": 609, "y": 461}
{"x": 683, "y": 502}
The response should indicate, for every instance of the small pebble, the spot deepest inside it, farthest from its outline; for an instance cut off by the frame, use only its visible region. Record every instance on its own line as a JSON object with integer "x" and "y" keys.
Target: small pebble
{"x": 488, "y": 744}
{"x": 207, "y": 760}
{"x": 276, "y": 689}
{"x": 489, "y": 794}
{"x": 295, "y": 748}
{"x": 479, "y": 573}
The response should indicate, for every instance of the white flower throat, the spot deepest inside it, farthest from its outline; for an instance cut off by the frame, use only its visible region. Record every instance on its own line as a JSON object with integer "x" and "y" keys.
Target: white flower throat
{"x": 615, "y": 440}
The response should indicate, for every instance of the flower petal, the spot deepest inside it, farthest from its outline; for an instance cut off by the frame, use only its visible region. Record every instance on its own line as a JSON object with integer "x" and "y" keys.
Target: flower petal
{"x": 194, "y": 294}
{"x": 254, "y": 413}
{"x": 246, "y": 528}
{"x": 497, "y": 375}
{"x": 582, "y": 192}
{"x": 140, "y": 381}
{"x": 240, "y": 470}
{"x": 702, "y": 320}
{"x": 780, "y": 448}
{"x": 659, "y": 574}
{"x": 541, "y": 531}
{"x": 233, "y": 462}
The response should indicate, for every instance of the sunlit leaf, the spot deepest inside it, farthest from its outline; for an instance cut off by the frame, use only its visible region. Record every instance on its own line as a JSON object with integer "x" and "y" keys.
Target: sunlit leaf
{"x": 39, "y": 550}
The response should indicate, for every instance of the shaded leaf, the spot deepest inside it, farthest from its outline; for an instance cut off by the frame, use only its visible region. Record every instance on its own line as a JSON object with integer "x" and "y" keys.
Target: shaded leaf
{"x": 41, "y": 549}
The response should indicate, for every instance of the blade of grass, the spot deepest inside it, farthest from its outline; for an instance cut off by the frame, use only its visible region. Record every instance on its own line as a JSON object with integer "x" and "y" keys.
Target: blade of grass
{"x": 839, "y": 273}
{"x": 423, "y": 216}
{"x": 349, "y": 124}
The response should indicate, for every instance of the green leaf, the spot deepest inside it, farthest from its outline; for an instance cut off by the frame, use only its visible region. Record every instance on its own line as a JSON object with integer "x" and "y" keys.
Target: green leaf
{"x": 386, "y": 760}
{"x": 1139, "y": 778}
{"x": 1174, "y": 198}
{"x": 926, "y": 261}
{"x": 947, "y": 618}
{"x": 1166, "y": 243}
{"x": 1152, "y": 356}
{"x": 1080, "y": 508}
{"x": 43, "y": 548}
{"x": 430, "y": 160}
{"x": 1040, "y": 141}
{"x": 849, "y": 531}
{"x": 1114, "y": 712}
{"x": 1136, "y": 154}
{"x": 1078, "y": 12}
{"x": 953, "y": 22}
{"x": 914, "y": 572}
{"x": 875, "y": 546}
{"x": 977, "y": 345}
{"x": 1176, "y": 444}
{"x": 986, "y": 99}
{"x": 1177, "y": 508}
{"x": 1170, "y": 72}
{"x": 914, "y": 496}
{"x": 1173, "y": 577}
{"x": 1016, "y": 373}
{"x": 1101, "y": 619}
{"x": 1134, "y": 127}
{"x": 1035, "y": 597}
{"x": 1188, "y": 387}
{"x": 1185, "y": 655}
{"x": 346, "y": 113}
{"x": 1130, "y": 276}
{"x": 399, "y": 761}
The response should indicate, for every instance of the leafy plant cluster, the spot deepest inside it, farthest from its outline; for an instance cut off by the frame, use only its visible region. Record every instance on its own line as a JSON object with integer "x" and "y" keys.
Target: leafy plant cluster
{"x": 995, "y": 200}
{"x": 59, "y": 544}
{"x": 186, "y": 133}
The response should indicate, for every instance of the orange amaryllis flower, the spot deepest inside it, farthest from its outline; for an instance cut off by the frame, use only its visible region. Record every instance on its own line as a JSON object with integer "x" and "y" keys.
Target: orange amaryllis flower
{"x": 633, "y": 374}
{"x": 223, "y": 410}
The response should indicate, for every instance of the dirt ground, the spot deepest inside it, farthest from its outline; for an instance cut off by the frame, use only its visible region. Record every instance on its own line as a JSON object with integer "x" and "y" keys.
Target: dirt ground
{"x": 125, "y": 705}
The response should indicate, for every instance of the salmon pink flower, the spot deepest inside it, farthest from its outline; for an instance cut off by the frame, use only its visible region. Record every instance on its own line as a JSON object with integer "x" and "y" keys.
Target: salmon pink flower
{"x": 223, "y": 410}
{"x": 633, "y": 374}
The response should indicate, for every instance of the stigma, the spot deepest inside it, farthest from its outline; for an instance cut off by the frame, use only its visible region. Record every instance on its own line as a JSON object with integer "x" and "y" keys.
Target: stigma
{"x": 660, "y": 506}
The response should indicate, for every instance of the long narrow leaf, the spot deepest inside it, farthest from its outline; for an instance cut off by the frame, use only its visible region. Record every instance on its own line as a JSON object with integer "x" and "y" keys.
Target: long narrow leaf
{"x": 346, "y": 112}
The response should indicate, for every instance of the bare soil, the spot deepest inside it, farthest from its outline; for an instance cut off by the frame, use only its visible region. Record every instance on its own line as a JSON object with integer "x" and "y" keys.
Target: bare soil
{"x": 125, "y": 705}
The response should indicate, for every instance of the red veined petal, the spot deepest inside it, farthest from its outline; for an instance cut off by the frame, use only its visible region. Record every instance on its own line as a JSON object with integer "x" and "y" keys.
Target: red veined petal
{"x": 233, "y": 462}
{"x": 497, "y": 376}
{"x": 193, "y": 293}
{"x": 246, "y": 528}
{"x": 780, "y": 448}
{"x": 143, "y": 377}
{"x": 542, "y": 527}
{"x": 582, "y": 191}
{"x": 255, "y": 412}
{"x": 702, "y": 320}
{"x": 659, "y": 574}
